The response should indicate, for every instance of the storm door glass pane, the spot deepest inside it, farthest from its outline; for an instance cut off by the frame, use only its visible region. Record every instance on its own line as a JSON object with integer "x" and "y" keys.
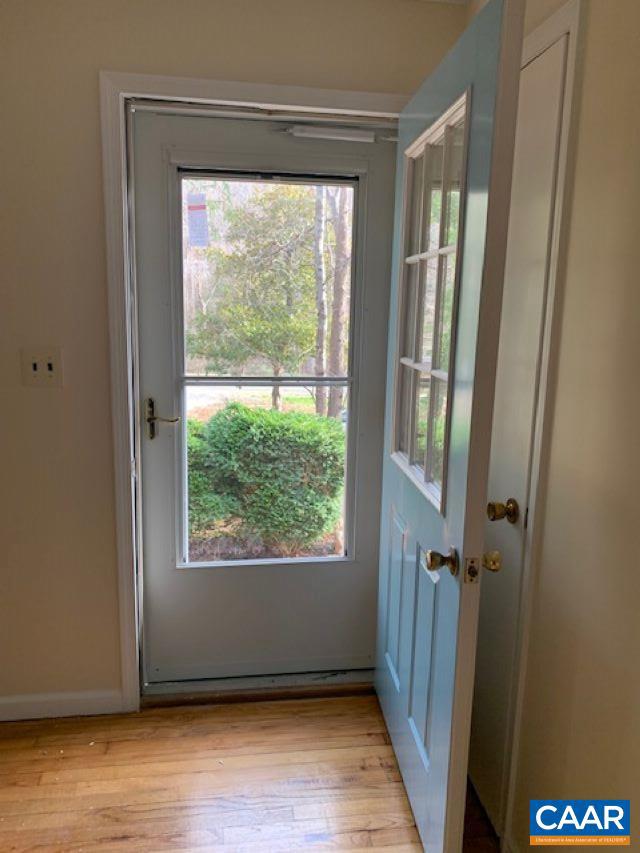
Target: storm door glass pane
{"x": 266, "y": 276}
{"x": 266, "y": 281}
{"x": 265, "y": 472}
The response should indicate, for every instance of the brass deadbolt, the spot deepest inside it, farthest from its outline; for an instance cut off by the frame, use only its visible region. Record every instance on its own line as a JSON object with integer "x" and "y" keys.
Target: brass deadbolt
{"x": 509, "y": 510}
{"x": 492, "y": 561}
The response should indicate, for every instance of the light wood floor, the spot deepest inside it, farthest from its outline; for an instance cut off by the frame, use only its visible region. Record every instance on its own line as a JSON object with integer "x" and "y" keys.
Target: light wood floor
{"x": 279, "y": 776}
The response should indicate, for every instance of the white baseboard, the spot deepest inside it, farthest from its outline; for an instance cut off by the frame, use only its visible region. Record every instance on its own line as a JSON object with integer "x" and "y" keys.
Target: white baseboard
{"x": 35, "y": 706}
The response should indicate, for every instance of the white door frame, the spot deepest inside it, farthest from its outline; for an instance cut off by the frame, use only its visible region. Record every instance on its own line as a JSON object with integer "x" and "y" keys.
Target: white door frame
{"x": 567, "y": 21}
{"x": 115, "y": 90}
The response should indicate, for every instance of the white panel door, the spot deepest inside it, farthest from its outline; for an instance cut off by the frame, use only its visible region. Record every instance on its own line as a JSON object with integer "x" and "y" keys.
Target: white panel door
{"x": 262, "y": 268}
{"x": 540, "y": 110}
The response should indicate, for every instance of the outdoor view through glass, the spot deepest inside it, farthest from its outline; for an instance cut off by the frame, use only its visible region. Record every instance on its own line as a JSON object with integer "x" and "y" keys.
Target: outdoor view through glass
{"x": 266, "y": 271}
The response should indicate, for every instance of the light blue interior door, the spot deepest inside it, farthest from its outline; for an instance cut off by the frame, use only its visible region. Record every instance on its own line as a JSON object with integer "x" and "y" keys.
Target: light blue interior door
{"x": 453, "y": 180}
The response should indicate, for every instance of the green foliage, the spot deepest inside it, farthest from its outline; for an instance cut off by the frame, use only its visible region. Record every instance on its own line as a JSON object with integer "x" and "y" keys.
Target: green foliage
{"x": 264, "y": 305}
{"x": 205, "y": 506}
{"x": 280, "y": 473}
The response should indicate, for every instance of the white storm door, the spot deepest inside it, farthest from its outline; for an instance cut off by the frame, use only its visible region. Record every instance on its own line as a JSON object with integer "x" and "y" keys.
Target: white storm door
{"x": 262, "y": 265}
{"x": 452, "y": 199}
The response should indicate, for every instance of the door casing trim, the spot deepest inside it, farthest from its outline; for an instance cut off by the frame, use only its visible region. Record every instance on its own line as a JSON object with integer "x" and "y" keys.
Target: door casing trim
{"x": 116, "y": 89}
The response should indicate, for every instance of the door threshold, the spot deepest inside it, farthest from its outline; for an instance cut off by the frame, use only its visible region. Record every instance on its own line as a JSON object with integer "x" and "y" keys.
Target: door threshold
{"x": 258, "y": 688}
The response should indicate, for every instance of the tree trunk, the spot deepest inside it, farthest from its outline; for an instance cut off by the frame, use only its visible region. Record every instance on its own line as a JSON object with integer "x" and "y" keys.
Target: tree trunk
{"x": 335, "y": 362}
{"x": 321, "y": 298}
{"x": 276, "y": 401}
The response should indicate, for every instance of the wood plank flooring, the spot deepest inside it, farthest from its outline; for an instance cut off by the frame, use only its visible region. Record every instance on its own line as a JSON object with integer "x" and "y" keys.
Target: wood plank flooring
{"x": 277, "y": 776}
{"x": 262, "y": 776}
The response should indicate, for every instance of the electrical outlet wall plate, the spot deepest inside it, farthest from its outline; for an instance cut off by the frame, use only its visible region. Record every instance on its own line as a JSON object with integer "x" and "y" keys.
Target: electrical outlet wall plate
{"x": 41, "y": 367}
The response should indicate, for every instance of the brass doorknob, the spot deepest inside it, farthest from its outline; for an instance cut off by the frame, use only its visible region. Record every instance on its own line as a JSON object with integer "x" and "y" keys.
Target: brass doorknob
{"x": 492, "y": 561}
{"x": 436, "y": 560}
{"x": 509, "y": 510}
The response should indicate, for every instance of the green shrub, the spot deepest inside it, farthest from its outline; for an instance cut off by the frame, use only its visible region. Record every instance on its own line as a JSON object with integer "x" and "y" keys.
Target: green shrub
{"x": 281, "y": 473}
{"x": 205, "y": 505}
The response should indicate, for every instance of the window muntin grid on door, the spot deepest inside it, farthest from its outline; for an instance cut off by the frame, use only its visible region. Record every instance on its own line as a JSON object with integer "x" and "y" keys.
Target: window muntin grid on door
{"x": 435, "y": 169}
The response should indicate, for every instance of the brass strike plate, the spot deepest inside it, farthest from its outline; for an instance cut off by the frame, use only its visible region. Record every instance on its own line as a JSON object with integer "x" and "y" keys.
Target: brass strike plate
{"x": 471, "y": 569}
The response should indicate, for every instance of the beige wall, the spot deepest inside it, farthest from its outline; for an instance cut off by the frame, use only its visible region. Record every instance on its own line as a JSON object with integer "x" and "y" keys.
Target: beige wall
{"x": 58, "y": 605}
{"x": 582, "y": 701}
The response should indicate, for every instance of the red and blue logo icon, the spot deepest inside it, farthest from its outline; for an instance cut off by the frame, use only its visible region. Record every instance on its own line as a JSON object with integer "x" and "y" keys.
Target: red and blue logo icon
{"x": 580, "y": 822}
